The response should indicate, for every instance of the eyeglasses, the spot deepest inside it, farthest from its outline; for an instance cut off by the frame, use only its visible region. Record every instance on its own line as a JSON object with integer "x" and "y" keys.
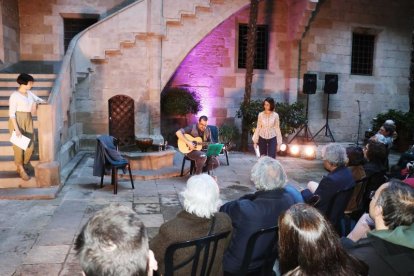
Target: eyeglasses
{"x": 371, "y": 195}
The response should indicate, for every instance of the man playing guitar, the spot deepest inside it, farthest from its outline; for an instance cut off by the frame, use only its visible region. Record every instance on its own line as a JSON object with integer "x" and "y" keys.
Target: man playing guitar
{"x": 198, "y": 130}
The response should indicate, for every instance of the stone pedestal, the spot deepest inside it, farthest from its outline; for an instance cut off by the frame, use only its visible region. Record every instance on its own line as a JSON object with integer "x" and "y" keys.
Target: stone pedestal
{"x": 47, "y": 174}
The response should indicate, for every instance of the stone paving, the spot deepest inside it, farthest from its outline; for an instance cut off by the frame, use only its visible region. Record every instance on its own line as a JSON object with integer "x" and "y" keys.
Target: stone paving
{"x": 36, "y": 237}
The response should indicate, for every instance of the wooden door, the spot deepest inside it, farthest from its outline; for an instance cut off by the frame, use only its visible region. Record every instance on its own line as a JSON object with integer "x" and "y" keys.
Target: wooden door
{"x": 121, "y": 119}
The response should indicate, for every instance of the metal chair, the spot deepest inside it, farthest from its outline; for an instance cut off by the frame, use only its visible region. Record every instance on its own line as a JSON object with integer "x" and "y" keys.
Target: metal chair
{"x": 337, "y": 206}
{"x": 202, "y": 260}
{"x": 215, "y": 138}
{"x": 268, "y": 256}
{"x": 113, "y": 161}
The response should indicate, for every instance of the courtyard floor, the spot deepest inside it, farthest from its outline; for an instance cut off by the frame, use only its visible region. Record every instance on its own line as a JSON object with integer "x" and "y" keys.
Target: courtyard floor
{"x": 36, "y": 236}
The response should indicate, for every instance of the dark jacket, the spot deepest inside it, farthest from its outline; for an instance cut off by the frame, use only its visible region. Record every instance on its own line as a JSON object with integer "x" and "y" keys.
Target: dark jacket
{"x": 337, "y": 180}
{"x": 249, "y": 214}
{"x": 184, "y": 227}
{"x": 386, "y": 252}
{"x": 106, "y": 153}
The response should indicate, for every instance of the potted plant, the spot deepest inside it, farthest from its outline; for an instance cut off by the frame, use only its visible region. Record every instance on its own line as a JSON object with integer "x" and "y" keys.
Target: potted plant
{"x": 404, "y": 125}
{"x": 178, "y": 105}
{"x": 228, "y": 135}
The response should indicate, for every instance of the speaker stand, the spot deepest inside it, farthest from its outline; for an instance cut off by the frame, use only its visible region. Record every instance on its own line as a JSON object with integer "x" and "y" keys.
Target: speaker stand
{"x": 328, "y": 132}
{"x": 305, "y": 127}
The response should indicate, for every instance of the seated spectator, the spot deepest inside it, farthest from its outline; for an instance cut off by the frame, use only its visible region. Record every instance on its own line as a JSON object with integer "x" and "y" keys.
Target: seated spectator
{"x": 253, "y": 212}
{"x": 392, "y": 124}
{"x": 385, "y": 135}
{"x": 198, "y": 219}
{"x": 308, "y": 245}
{"x": 355, "y": 164}
{"x": 389, "y": 248}
{"x": 114, "y": 242}
{"x": 339, "y": 178}
{"x": 375, "y": 170}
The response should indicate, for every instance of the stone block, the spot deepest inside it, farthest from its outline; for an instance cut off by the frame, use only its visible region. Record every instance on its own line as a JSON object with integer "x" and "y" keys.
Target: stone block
{"x": 47, "y": 174}
{"x": 365, "y": 88}
{"x": 219, "y": 112}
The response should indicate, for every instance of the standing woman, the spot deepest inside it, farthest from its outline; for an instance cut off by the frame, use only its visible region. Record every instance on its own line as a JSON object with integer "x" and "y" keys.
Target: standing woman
{"x": 267, "y": 134}
{"x": 22, "y": 106}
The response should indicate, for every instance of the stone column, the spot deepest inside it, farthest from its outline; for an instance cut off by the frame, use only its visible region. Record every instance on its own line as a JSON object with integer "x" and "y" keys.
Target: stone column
{"x": 46, "y": 128}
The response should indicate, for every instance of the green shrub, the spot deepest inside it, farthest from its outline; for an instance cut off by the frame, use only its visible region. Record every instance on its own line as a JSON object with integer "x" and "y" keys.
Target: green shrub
{"x": 179, "y": 101}
{"x": 404, "y": 121}
{"x": 228, "y": 134}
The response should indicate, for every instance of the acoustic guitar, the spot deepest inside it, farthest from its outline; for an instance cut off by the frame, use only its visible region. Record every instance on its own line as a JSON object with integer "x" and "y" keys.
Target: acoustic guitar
{"x": 197, "y": 142}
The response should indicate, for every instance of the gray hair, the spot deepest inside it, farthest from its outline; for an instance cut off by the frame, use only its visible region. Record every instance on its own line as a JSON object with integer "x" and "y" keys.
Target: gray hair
{"x": 113, "y": 242}
{"x": 335, "y": 154}
{"x": 268, "y": 174}
{"x": 201, "y": 196}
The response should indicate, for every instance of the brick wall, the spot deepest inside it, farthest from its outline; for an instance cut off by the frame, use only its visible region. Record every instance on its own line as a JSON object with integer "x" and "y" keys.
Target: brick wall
{"x": 9, "y": 40}
{"x": 211, "y": 67}
{"x": 41, "y": 24}
{"x": 326, "y": 48}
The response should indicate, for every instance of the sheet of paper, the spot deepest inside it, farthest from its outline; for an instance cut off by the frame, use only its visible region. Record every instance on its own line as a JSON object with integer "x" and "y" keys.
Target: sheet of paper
{"x": 22, "y": 141}
{"x": 257, "y": 151}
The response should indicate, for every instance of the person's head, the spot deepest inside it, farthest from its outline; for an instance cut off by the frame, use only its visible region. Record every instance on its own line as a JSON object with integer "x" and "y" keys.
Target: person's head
{"x": 269, "y": 104}
{"x": 113, "y": 242}
{"x": 392, "y": 205}
{"x": 387, "y": 130}
{"x": 201, "y": 196}
{"x": 355, "y": 156}
{"x": 268, "y": 174}
{"x": 202, "y": 123}
{"x": 308, "y": 242}
{"x": 26, "y": 80}
{"x": 334, "y": 156}
{"x": 375, "y": 152}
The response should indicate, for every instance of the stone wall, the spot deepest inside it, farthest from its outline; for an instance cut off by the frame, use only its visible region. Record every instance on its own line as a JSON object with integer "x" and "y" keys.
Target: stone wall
{"x": 211, "y": 67}
{"x": 9, "y": 33}
{"x": 41, "y": 24}
{"x": 326, "y": 48}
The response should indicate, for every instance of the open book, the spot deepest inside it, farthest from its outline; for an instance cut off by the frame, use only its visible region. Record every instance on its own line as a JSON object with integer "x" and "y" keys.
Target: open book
{"x": 22, "y": 141}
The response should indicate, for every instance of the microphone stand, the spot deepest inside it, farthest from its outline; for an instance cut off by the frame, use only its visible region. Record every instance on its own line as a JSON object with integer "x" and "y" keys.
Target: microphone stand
{"x": 359, "y": 122}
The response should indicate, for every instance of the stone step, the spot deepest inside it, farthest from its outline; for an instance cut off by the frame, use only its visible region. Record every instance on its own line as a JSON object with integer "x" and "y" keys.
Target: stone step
{"x": 37, "y": 77}
{"x": 4, "y": 123}
{"x": 5, "y": 134}
{"x": 8, "y": 83}
{"x": 38, "y": 92}
{"x": 174, "y": 171}
{"x": 4, "y": 101}
{"x": 29, "y": 193}
{"x": 11, "y": 179}
{"x": 10, "y": 166}
{"x": 6, "y": 148}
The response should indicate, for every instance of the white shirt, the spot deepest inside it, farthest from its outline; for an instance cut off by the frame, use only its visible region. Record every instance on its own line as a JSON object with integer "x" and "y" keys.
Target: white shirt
{"x": 20, "y": 103}
{"x": 268, "y": 126}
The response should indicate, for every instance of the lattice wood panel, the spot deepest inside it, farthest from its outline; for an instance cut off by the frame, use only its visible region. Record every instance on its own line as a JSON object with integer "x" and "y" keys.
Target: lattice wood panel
{"x": 121, "y": 119}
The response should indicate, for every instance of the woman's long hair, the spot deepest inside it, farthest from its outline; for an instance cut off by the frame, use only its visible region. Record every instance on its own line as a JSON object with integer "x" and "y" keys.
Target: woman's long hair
{"x": 308, "y": 245}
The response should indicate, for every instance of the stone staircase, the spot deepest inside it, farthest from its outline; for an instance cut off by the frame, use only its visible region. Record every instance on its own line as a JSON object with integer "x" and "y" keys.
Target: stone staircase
{"x": 42, "y": 87}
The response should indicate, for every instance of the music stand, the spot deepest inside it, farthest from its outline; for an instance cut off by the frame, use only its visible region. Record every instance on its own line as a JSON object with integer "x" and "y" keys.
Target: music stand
{"x": 213, "y": 150}
{"x": 328, "y": 132}
{"x": 308, "y": 134}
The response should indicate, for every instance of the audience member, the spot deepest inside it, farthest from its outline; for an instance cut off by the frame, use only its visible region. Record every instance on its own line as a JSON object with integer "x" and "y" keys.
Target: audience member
{"x": 355, "y": 164}
{"x": 114, "y": 242}
{"x": 375, "y": 153}
{"x": 308, "y": 245}
{"x": 198, "y": 219}
{"x": 253, "y": 212}
{"x": 338, "y": 179}
{"x": 385, "y": 135}
{"x": 389, "y": 248}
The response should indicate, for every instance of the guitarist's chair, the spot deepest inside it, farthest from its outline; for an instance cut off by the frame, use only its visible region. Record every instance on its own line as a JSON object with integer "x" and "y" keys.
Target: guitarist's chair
{"x": 192, "y": 165}
{"x": 215, "y": 138}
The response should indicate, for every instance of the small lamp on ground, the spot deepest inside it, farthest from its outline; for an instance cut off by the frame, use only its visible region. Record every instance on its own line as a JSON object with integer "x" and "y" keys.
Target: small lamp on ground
{"x": 309, "y": 152}
{"x": 294, "y": 150}
{"x": 283, "y": 150}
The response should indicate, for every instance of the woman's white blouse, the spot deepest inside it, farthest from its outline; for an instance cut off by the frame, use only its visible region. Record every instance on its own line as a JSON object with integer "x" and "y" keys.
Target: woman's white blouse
{"x": 20, "y": 103}
{"x": 268, "y": 126}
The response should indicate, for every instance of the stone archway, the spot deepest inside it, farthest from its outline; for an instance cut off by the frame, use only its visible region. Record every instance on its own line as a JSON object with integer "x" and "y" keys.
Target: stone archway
{"x": 121, "y": 119}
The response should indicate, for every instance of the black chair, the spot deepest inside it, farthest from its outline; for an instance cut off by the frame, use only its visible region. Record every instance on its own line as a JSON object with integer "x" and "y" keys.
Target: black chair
{"x": 202, "y": 260}
{"x": 215, "y": 138}
{"x": 112, "y": 160}
{"x": 337, "y": 206}
{"x": 268, "y": 257}
{"x": 192, "y": 165}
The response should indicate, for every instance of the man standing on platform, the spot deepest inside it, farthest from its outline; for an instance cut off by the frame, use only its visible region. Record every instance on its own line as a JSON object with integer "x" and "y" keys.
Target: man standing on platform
{"x": 200, "y": 129}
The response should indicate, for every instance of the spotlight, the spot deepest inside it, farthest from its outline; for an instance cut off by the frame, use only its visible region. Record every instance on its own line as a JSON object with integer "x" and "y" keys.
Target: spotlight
{"x": 282, "y": 150}
{"x": 310, "y": 152}
{"x": 294, "y": 150}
